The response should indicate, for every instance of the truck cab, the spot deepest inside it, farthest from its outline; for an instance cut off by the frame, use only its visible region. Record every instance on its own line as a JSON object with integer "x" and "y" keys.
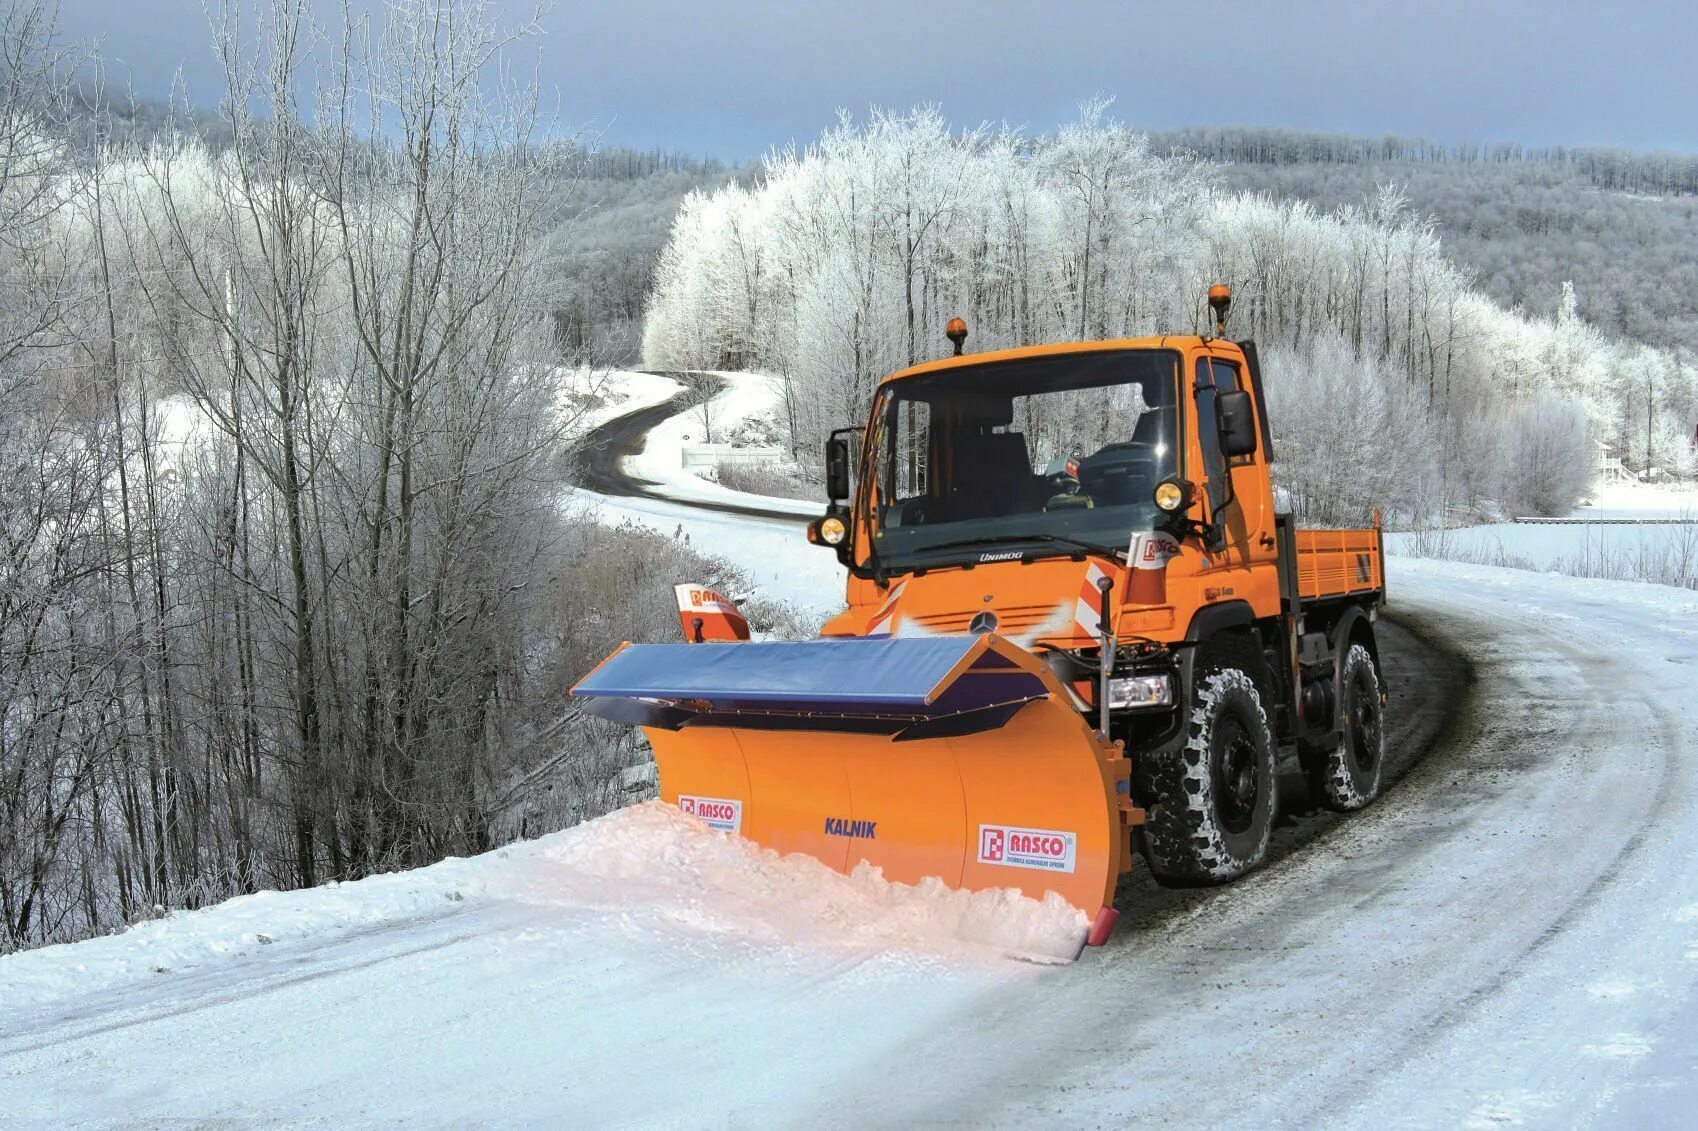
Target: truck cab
{"x": 991, "y": 464}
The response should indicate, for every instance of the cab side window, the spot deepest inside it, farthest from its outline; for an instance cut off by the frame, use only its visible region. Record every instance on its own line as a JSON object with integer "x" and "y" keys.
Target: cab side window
{"x": 903, "y": 471}
{"x": 1226, "y": 380}
{"x": 1208, "y": 427}
{"x": 1226, "y": 375}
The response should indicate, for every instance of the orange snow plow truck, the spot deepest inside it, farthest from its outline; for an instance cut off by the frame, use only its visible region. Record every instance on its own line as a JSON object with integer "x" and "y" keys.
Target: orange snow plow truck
{"x": 1077, "y": 624}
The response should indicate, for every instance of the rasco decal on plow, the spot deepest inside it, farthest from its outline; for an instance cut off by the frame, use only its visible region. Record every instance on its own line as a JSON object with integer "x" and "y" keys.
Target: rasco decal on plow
{"x": 1042, "y": 849}
{"x": 715, "y": 812}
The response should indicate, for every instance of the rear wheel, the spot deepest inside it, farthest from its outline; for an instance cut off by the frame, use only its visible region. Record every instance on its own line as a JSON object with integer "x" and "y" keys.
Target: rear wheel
{"x": 1213, "y": 806}
{"x": 1346, "y": 774}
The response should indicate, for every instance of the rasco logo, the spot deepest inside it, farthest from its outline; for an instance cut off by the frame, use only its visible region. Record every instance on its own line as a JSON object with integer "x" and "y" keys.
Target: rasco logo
{"x": 1159, "y": 549}
{"x": 720, "y": 813}
{"x": 1045, "y": 850}
{"x": 858, "y": 830}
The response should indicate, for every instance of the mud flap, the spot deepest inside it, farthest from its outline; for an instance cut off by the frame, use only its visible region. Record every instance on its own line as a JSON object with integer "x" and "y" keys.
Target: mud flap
{"x": 959, "y": 758}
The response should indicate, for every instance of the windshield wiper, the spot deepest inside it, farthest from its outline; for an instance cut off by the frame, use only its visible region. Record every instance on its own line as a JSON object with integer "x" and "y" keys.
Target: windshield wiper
{"x": 1004, "y": 539}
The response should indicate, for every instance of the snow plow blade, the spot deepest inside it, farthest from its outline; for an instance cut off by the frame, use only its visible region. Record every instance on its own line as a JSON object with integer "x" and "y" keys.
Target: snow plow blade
{"x": 959, "y": 757}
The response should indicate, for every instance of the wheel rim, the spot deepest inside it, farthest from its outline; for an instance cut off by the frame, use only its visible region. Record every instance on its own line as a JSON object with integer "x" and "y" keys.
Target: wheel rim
{"x": 1237, "y": 777}
{"x": 1364, "y": 721}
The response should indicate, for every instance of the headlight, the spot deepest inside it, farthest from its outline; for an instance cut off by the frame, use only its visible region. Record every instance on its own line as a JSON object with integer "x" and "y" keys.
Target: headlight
{"x": 1136, "y": 691}
{"x": 832, "y": 531}
{"x": 1170, "y": 496}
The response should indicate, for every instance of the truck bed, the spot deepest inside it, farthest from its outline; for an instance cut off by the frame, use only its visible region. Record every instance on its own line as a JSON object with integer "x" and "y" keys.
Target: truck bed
{"x": 1339, "y": 563}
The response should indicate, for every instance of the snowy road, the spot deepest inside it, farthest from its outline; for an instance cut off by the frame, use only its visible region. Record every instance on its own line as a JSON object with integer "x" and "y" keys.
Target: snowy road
{"x": 1509, "y": 937}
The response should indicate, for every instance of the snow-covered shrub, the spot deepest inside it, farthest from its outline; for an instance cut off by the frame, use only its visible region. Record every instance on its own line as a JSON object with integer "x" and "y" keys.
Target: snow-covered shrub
{"x": 758, "y": 430}
{"x": 779, "y": 480}
{"x": 1545, "y": 455}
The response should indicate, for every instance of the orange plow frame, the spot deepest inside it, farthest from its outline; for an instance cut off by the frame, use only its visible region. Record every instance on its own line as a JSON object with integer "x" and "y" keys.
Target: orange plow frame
{"x": 986, "y": 778}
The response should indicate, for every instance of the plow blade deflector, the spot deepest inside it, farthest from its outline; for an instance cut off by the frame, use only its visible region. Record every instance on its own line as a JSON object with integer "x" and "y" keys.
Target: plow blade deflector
{"x": 959, "y": 757}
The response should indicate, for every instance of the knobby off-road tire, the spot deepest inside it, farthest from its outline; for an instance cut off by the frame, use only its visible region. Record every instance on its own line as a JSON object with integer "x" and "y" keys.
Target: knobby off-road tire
{"x": 1346, "y": 775}
{"x": 1213, "y": 800}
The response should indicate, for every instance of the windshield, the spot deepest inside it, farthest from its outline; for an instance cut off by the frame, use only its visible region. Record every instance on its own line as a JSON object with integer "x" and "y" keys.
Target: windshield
{"x": 1027, "y": 456}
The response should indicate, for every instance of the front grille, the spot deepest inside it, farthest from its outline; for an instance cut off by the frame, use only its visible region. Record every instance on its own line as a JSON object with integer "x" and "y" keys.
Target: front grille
{"x": 1012, "y": 619}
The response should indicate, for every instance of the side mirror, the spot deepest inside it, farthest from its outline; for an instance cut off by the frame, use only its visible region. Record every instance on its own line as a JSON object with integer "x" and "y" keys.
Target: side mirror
{"x": 837, "y": 469}
{"x": 1237, "y": 421}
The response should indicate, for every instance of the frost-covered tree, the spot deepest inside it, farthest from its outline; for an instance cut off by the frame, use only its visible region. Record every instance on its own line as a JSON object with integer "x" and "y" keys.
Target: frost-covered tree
{"x": 849, "y": 255}
{"x": 280, "y": 450}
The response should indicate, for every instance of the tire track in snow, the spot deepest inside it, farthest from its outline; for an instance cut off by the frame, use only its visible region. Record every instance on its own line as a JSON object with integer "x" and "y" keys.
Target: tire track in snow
{"x": 180, "y": 994}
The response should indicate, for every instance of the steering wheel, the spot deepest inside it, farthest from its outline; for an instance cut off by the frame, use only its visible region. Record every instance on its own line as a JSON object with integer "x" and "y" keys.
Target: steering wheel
{"x": 1113, "y": 471}
{"x": 914, "y": 512}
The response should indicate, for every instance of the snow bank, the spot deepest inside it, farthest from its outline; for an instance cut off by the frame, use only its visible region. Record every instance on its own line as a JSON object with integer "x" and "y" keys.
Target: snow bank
{"x": 649, "y": 865}
{"x": 1649, "y": 551}
{"x": 1654, "y": 610}
{"x": 234, "y": 930}
{"x": 774, "y": 553}
{"x": 1632, "y": 532}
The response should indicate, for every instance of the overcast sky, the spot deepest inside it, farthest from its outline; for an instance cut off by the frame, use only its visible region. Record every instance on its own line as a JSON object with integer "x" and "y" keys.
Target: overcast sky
{"x": 732, "y": 78}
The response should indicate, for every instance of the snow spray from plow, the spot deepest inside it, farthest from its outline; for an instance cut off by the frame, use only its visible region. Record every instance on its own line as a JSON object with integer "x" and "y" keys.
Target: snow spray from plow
{"x": 956, "y": 757}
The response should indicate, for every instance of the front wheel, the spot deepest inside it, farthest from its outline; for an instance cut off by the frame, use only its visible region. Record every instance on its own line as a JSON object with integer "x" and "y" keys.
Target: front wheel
{"x": 1346, "y": 775}
{"x": 1213, "y": 806}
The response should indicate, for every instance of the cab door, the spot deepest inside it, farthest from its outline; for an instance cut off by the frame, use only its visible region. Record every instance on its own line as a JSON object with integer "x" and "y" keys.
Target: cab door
{"x": 1237, "y": 494}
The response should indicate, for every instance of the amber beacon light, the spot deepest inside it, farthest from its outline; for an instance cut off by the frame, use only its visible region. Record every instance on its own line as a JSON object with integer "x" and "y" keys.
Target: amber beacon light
{"x": 956, "y": 331}
{"x": 1220, "y": 301}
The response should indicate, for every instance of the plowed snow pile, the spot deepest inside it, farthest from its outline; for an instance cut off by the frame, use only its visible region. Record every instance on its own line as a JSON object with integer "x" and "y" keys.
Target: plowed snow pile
{"x": 647, "y": 870}
{"x": 652, "y": 857}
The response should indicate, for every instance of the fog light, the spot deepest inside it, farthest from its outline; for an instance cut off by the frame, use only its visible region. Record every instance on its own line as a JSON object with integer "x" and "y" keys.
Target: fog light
{"x": 1132, "y": 692}
{"x": 832, "y": 531}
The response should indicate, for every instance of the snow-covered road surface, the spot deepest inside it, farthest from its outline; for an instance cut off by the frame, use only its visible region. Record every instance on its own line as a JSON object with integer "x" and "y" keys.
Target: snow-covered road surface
{"x": 1508, "y": 938}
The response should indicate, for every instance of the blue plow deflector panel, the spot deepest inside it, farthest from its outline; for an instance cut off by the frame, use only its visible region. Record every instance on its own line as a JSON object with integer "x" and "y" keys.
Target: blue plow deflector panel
{"x": 956, "y": 684}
